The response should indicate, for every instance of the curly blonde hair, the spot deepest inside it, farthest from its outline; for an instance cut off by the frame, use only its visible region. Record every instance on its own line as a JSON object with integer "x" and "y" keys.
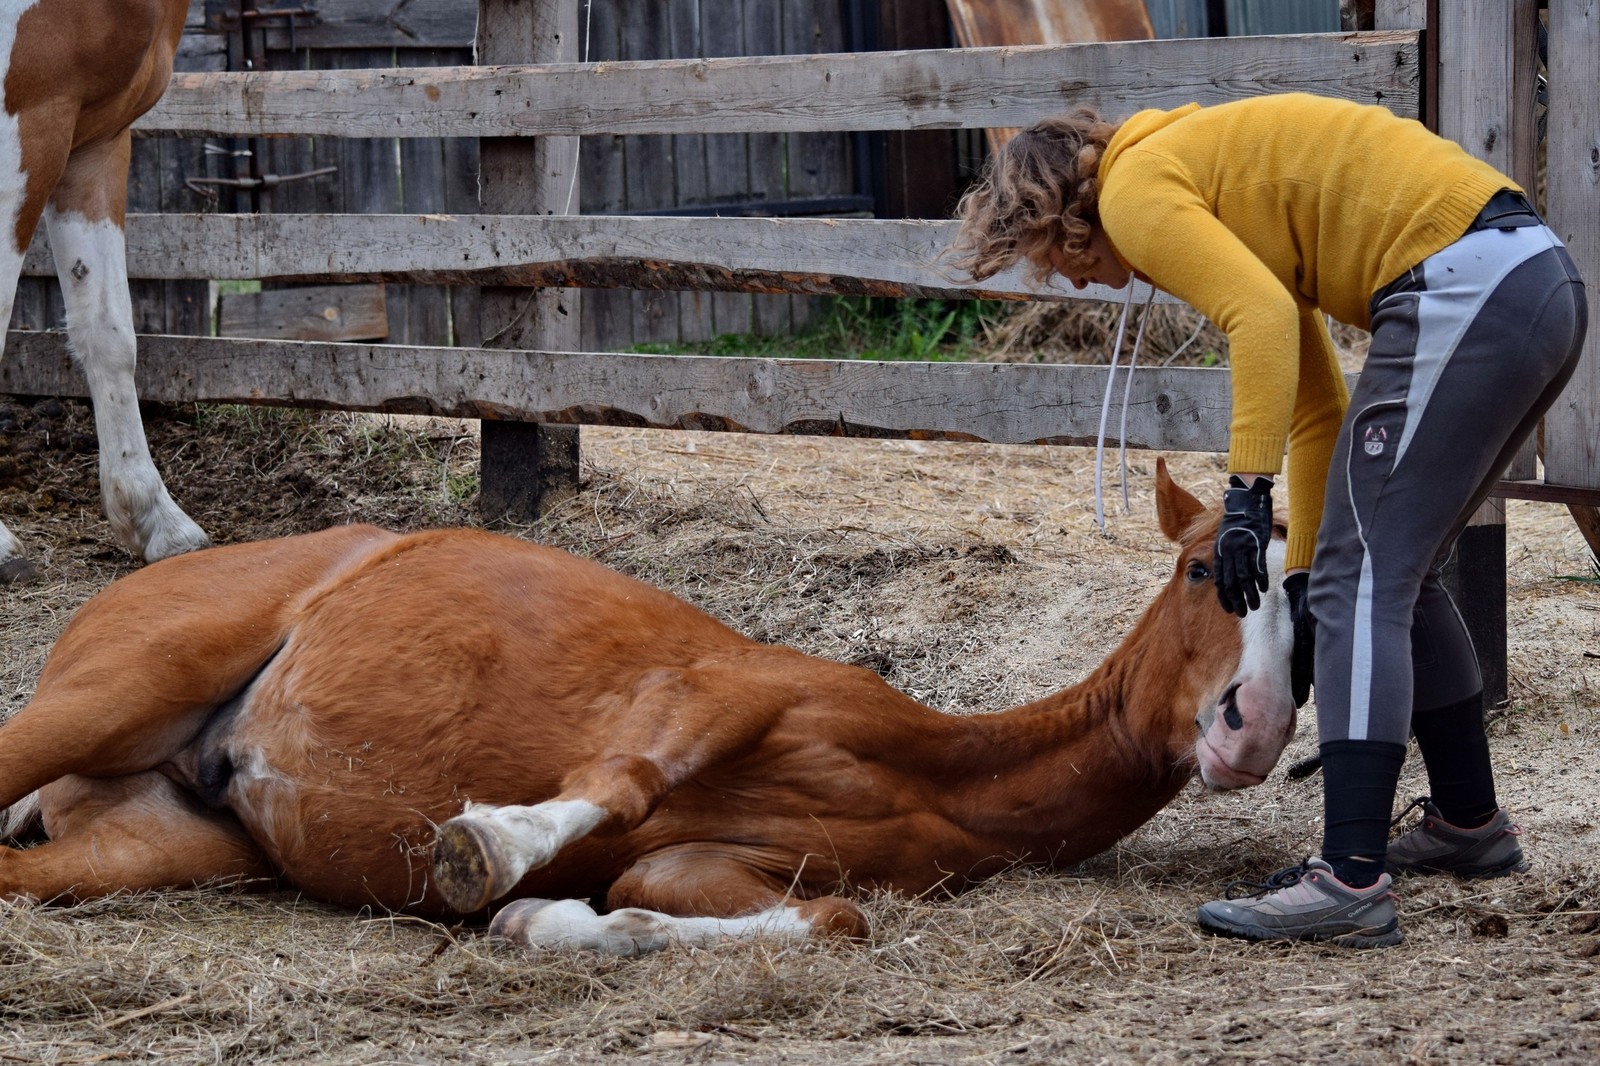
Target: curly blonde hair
{"x": 1040, "y": 191}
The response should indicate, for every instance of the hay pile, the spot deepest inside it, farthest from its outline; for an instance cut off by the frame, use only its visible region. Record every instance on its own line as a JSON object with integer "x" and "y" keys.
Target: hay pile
{"x": 971, "y": 576}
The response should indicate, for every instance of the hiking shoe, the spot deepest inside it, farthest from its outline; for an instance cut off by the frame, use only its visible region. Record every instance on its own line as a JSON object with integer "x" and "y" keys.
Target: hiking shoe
{"x": 1438, "y": 847}
{"x": 1307, "y": 902}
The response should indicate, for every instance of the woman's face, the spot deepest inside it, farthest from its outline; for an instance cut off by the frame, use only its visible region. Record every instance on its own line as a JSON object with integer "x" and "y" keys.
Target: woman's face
{"x": 1104, "y": 267}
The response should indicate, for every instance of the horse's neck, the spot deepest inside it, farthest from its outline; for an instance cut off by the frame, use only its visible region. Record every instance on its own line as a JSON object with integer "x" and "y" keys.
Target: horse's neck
{"x": 1077, "y": 769}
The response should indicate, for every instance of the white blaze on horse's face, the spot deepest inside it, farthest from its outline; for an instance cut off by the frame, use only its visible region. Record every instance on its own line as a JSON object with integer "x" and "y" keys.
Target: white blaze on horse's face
{"x": 1245, "y": 731}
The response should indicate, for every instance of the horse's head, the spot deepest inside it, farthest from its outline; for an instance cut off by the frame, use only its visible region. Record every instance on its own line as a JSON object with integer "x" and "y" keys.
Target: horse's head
{"x": 1244, "y": 710}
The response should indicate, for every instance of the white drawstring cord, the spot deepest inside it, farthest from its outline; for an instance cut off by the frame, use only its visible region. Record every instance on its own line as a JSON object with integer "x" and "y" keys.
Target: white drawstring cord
{"x": 1127, "y": 392}
{"x": 1105, "y": 414}
{"x": 1185, "y": 345}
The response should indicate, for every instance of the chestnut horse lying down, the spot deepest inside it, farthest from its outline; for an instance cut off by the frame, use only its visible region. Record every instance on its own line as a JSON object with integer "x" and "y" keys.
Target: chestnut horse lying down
{"x": 328, "y": 709}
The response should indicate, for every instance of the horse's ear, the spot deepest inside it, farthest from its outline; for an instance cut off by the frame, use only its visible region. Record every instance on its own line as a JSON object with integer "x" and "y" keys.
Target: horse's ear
{"x": 1175, "y": 507}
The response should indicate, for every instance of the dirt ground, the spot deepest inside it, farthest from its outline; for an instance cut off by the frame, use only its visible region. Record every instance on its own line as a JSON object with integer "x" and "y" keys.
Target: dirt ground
{"x": 972, "y": 577}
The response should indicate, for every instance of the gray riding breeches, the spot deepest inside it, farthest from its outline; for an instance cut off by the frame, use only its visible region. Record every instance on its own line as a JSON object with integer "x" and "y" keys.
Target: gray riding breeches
{"x": 1469, "y": 348}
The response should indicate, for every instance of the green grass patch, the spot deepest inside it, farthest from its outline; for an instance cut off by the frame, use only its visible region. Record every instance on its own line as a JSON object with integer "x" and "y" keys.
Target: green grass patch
{"x": 865, "y": 328}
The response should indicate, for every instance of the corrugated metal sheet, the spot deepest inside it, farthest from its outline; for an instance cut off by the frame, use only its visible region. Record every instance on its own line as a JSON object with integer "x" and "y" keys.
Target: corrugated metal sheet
{"x": 1178, "y": 18}
{"x": 995, "y": 22}
{"x": 1249, "y": 17}
{"x": 1187, "y": 18}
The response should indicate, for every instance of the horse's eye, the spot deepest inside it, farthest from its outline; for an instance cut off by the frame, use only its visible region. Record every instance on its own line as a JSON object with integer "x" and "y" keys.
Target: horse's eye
{"x": 1197, "y": 572}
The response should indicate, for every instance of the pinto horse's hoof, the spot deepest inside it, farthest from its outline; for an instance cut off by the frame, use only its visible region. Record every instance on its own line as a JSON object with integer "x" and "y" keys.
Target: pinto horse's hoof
{"x": 470, "y": 865}
{"x": 17, "y": 571}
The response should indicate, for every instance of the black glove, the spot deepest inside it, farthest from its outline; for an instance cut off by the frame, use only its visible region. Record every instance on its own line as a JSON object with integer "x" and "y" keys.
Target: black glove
{"x": 1302, "y": 662}
{"x": 1242, "y": 539}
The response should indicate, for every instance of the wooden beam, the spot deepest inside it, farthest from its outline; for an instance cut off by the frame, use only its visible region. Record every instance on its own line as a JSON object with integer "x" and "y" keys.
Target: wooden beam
{"x": 1572, "y": 428}
{"x": 524, "y": 467}
{"x": 1544, "y": 492}
{"x": 309, "y": 313}
{"x": 1171, "y": 408}
{"x": 931, "y": 89}
{"x": 1486, "y": 80}
{"x": 1401, "y": 15}
{"x": 343, "y": 24}
{"x": 852, "y": 257}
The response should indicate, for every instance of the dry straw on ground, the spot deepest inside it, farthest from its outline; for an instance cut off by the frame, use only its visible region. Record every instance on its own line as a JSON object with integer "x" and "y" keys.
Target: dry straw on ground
{"x": 971, "y": 576}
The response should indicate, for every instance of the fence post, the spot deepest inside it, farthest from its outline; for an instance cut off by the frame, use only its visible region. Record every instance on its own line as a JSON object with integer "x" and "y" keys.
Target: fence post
{"x": 1487, "y": 55}
{"x": 1572, "y": 430}
{"x": 525, "y": 468}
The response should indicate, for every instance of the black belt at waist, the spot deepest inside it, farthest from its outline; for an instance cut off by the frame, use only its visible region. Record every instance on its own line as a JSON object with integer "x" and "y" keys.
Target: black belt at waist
{"x": 1506, "y": 209}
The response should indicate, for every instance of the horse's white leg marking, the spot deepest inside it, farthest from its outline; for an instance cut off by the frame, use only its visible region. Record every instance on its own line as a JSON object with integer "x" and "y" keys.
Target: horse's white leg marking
{"x": 571, "y": 924}
{"x": 91, "y": 263}
{"x": 12, "y": 186}
{"x": 531, "y": 836}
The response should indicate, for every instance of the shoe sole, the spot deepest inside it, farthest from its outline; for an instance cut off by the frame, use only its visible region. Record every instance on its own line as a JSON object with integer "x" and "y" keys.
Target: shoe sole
{"x": 1371, "y": 937}
{"x": 1519, "y": 865}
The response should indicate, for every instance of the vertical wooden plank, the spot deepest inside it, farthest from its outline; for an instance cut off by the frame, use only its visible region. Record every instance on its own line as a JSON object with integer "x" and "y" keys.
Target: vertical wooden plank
{"x": 923, "y": 177}
{"x": 727, "y": 157}
{"x": 689, "y": 165}
{"x": 1400, "y": 15}
{"x": 649, "y": 173}
{"x": 526, "y": 468}
{"x": 1572, "y": 429}
{"x": 421, "y": 314}
{"x": 297, "y": 155}
{"x": 602, "y": 162}
{"x": 818, "y": 163}
{"x": 1487, "y": 52}
{"x": 763, "y": 36}
{"x": 144, "y": 194}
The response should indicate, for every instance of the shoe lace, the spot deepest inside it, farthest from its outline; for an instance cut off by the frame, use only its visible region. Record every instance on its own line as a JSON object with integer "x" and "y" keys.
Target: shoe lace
{"x": 1284, "y": 878}
{"x": 1420, "y": 801}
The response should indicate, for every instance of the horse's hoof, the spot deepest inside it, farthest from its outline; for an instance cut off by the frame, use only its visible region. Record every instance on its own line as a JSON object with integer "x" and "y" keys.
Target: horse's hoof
{"x": 516, "y": 919}
{"x": 17, "y": 571}
{"x": 469, "y": 866}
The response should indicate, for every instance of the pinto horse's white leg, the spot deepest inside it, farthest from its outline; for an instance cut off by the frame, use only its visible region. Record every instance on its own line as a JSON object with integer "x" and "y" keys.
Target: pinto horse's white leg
{"x": 570, "y": 924}
{"x": 85, "y": 225}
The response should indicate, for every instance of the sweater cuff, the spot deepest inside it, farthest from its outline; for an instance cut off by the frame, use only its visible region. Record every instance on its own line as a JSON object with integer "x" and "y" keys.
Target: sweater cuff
{"x": 1302, "y": 546}
{"x": 1255, "y": 455}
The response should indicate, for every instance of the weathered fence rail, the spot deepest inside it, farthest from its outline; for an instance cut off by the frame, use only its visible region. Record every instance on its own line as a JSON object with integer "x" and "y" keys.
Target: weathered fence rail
{"x": 890, "y": 257}
{"x": 1170, "y": 408}
{"x": 932, "y": 89}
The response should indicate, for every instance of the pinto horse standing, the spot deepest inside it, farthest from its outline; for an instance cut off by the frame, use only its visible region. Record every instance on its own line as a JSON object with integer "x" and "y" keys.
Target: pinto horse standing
{"x": 313, "y": 708}
{"x": 76, "y": 74}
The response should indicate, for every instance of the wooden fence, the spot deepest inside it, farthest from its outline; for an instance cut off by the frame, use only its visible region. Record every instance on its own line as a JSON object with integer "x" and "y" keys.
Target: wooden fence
{"x": 787, "y": 95}
{"x": 1476, "y": 56}
{"x": 791, "y": 96}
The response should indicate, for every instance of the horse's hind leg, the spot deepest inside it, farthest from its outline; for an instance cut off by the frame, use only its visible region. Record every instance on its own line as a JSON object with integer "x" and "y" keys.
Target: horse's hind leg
{"x": 692, "y": 894}
{"x": 85, "y": 219}
{"x": 127, "y": 834}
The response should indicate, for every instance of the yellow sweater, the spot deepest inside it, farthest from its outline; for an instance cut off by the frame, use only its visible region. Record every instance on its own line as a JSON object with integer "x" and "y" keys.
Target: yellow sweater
{"x": 1264, "y": 213}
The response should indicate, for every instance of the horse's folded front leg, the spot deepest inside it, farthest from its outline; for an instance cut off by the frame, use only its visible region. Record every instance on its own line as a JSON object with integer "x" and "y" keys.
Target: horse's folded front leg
{"x": 677, "y": 723}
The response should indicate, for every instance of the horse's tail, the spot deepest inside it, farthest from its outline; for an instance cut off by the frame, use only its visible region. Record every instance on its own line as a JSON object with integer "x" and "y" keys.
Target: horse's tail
{"x": 21, "y": 819}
